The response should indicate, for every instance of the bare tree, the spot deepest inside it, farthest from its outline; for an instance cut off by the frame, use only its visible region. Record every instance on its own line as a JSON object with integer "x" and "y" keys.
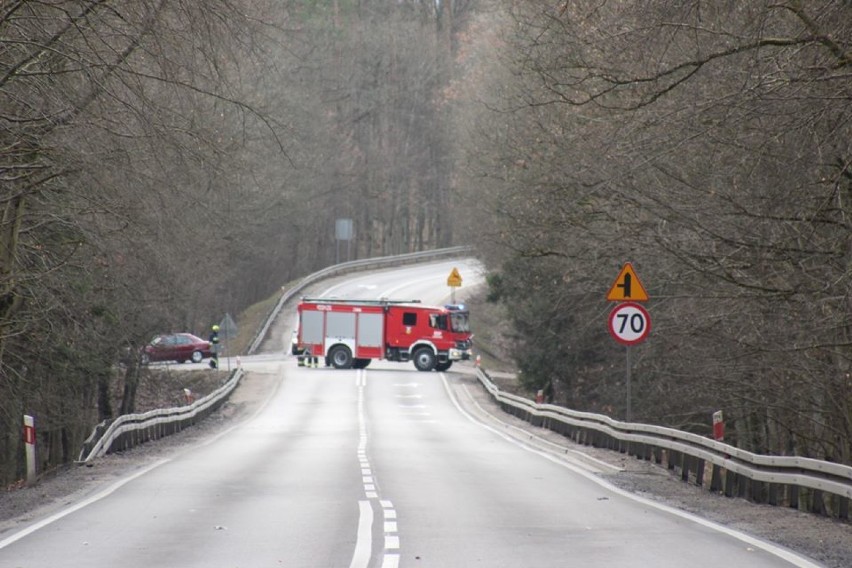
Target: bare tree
{"x": 117, "y": 122}
{"x": 706, "y": 144}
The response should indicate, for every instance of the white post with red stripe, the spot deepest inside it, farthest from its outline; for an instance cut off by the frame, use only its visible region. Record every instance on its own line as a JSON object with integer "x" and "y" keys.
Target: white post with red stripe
{"x": 29, "y": 444}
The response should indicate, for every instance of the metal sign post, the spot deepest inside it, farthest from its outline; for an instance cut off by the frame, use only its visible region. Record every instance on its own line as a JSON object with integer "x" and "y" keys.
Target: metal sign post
{"x": 629, "y": 323}
{"x": 227, "y": 330}
{"x": 629, "y": 413}
{"x": 454, "y": 280}
{"x": 343, "y": 231}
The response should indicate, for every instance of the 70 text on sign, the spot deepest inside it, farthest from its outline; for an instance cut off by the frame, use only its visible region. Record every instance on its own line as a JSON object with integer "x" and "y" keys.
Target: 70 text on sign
{"x": 629, "y": 323}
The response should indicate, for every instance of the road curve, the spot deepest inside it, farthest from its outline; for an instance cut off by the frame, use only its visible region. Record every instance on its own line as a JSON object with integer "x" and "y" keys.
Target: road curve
{"x": 381, "y": 467}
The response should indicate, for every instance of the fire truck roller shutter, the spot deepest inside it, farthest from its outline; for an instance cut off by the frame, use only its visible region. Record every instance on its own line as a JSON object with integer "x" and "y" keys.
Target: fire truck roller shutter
{"x": 311, "y": 327}
{"x": 340, "y": 325}
{"x": 371, "y": 330}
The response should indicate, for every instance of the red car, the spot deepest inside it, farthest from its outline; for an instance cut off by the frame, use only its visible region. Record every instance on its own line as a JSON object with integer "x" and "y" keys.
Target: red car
{"x": 178, "y": 347}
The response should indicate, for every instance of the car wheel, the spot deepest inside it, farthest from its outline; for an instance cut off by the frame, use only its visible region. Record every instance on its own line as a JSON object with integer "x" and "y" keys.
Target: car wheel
{"x": 341, "y": 357}
{"x": 197, "y": 356}
{"x": 145, "y": 359}
{"x": 424, "y": 359}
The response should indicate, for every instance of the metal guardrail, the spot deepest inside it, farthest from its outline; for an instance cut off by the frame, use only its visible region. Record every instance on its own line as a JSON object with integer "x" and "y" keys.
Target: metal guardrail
{"x": 346, "y": 267}
{"x": 130, "y": 430}
{"x": 814, "y": 485}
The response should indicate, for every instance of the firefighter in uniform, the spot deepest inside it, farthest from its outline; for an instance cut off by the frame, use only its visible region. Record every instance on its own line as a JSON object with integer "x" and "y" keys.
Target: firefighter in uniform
{"x": 307, "y": 359}
{"x": 214, "y": 346}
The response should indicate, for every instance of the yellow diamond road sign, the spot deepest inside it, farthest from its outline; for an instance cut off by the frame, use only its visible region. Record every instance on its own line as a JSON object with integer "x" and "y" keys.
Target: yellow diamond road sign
{"x": 627, "y": 287}
{"x": 454, "y": 279}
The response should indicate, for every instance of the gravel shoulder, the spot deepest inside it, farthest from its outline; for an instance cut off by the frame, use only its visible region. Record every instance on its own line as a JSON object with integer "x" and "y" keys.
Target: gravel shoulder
{"x": 825, "y": 540}
{"x": 64, "y": 487}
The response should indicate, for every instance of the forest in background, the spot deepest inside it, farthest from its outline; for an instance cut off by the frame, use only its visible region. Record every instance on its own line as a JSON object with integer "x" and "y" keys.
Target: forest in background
{"x": 708, "y": 143}
{"x": 164, "y": 162}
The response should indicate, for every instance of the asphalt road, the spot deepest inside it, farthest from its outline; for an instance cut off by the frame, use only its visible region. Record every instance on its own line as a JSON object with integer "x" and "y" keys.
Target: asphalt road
{"x": 380, "y": 467}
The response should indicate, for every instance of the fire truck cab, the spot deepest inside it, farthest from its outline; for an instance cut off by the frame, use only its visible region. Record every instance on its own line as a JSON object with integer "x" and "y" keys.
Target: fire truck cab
{"x": 351, "y": 333}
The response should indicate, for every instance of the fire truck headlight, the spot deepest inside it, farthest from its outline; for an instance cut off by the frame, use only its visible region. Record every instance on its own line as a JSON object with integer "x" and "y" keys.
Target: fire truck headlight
{"x": 458, "y": 354}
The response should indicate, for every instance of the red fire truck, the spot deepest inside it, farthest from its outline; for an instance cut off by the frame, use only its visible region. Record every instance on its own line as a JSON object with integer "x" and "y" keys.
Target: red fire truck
{"x": 351, "y": 333}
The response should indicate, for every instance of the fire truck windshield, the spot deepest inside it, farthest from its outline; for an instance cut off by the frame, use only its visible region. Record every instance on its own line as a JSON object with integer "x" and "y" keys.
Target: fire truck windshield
{"x": 438, "y": 321}
{"x": 460, "y": 322}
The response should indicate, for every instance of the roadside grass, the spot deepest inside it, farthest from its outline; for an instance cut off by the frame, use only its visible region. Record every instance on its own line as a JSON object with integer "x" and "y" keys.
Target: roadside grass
{"x": 492, "y": 332}
{"x": 249, "y": 323}
{"x": 167, "y": 385}
{"x": 162, "y": 386}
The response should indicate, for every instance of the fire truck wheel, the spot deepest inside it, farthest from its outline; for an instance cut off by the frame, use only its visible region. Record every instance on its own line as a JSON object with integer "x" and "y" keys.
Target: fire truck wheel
{"x": 360, "y": 363}
{"x": 424, "y": 359}
{"x": 441, "y": 367}
{"x": 341, "y": 357}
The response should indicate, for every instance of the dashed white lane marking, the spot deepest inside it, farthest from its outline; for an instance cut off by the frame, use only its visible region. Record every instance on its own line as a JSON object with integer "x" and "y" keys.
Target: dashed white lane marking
{"x": 390, "y": 558}
{"x": 391, "y": 542}
{"x": 415, "y": 412}
{"x": 366, "y": 471}
{"x": 391, "y": 536}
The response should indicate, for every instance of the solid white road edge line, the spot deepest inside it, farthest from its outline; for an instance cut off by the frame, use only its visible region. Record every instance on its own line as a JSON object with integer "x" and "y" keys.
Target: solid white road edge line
{"x": 524, "y": 433}
{"x": 788, "y": 555}
{"x": 364, "y": 542}
{"x": 116, "y": 486}
{"x": 86, "y": 502}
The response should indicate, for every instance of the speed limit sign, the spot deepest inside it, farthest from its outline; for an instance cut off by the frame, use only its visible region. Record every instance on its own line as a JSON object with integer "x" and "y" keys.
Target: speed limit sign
{"x": 629, "y": 323}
